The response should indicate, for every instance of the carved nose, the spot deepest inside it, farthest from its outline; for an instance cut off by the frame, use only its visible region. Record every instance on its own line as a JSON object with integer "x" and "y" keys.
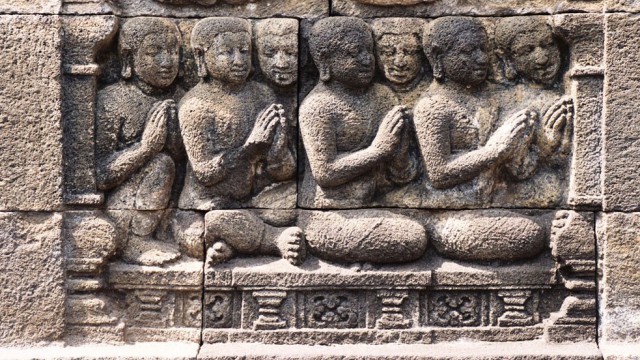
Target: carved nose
{"x": 165, "y": 61}
{"x": 281, "y": 61}
{"x": 400, "y": 61}
{"x": 541, "y": 57}
{"x": 238, "y": 58}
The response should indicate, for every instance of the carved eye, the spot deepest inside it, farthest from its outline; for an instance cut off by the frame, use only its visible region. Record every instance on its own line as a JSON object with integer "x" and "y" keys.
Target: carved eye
{"x": 388, "y": 51}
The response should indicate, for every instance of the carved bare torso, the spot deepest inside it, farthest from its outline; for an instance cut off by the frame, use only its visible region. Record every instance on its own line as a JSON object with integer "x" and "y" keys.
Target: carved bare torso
{"x": 215, "y": 124}
{"x": 346, "y": 122}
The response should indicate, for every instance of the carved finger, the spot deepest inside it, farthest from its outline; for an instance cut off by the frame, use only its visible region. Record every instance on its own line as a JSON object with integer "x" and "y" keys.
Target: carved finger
{"x": 555, "y": 117}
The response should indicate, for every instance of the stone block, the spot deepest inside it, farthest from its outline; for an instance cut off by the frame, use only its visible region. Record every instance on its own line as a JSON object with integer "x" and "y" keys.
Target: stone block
{"x": 240, "y": 8}
{"x": 621, "y": 131}
{"x": 619, "y": 285}
{"x": 30, "y": 130}
{"x": 533, "y": 350}
{"x": 30, "y": 7}
{"x": 32, "y": 275}
{"x": 435, "y": 8}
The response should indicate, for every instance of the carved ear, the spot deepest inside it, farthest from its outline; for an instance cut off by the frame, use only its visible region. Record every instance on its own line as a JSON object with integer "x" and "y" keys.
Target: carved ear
{"x": 437, "y": 66}
{"x": 325, "y": 71}
{"x": 127, "y": 66}
{"x": 508, "y": 69}
{"x": 200, "y": 64}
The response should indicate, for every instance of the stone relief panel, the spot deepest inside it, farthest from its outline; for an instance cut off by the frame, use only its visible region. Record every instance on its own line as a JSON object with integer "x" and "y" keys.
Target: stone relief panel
{"x": 507, "y": 143}
{"x": 422, "y": 194}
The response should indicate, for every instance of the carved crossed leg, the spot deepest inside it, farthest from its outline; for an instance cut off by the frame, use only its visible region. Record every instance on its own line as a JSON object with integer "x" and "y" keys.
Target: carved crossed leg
{"x": 240, "y": 231}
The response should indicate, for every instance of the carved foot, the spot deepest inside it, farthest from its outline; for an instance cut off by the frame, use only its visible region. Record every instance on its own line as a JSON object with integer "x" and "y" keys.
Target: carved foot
{"x": 148, "y": 251}
{"x": 293, "y": 245}
{"x": 219, "y": 253}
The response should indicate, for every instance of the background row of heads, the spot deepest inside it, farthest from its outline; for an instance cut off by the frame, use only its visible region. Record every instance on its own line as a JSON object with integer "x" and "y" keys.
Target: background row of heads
{"x": 459, "y": 48}
{"x": 404, "y": 49}
{"x": 222, "y": 48}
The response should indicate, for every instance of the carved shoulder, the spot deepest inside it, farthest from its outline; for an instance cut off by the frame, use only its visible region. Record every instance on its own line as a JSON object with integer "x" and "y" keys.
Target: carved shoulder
{"x": 431, "y": 110}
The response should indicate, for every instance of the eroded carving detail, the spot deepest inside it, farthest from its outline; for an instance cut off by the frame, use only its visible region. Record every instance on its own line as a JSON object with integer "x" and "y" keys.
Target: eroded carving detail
{"x": 455, "y": 309}
{"x": 218, "y": 308}
{"x": 332, "y": 310}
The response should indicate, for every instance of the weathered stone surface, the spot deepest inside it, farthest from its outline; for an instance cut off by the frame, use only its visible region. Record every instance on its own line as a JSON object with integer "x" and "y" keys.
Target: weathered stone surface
{"x": 489, "y": 236}
{"x": 619, "y": 297}
{"x": 527, "y": 350}
{"x": 503, "y": 142}
{"x": 423, "y": 8}
{"x": 32, "y": 275}
{"x": 241, "y": 8}
{"x": 437, "y": 160}
{"x": 621, "y": 183}
{"x": 30, "y": 131}
{"x": 30, "y": 7}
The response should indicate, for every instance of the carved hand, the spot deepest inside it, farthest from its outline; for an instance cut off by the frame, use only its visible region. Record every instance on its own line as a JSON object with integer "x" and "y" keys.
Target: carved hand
{"x": 155, "y": 131}
{"x": 556, "y": 127}
{"x": 264, "y": 129}
{"x": 513, "y": 134}
{"x": 390, "y": 131}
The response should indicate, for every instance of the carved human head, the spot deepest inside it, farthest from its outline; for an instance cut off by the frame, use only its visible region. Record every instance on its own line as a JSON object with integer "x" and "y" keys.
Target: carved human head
{"x": 528, "y": 49}
{"x": 457, "y": 50}
{"x": 399, "y": 48}
{"x": 222, "y": 48}
{"x": 342, "y": 49}
{"x": 150, "y": 50}
{"x": 277, "y": 46}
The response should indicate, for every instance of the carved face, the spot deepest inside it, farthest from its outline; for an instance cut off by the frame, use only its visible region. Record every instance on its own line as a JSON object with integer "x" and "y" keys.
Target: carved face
{"x": 229, "y": 57}
{"x": 278, "y": 57}
{"x": 158, "y": 59}
{"x": 467, "y": 61}
{"x": 352, "y": 63}
{"x": 399, "y": 57}
{"x": 536, "y": 56}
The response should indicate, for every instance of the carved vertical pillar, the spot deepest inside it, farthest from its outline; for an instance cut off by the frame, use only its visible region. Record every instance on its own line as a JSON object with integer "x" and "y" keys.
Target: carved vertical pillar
{"x": 515, "y": 309}
{"x": 84, "y": 37}
{"x": 585, "y": 35}
{"x": 573, "y": 244}
{"x": 392, "y": 313}
{"x": 269, "y": 302}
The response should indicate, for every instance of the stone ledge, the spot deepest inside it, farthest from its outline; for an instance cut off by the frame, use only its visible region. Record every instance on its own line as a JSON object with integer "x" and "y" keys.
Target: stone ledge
{"x": 475, "y": 351}
{"x": 141, "y": 351}
{"x": 621, "y": 351}
{"x": 531, "y": 350}
{"x": 433, "y": 271}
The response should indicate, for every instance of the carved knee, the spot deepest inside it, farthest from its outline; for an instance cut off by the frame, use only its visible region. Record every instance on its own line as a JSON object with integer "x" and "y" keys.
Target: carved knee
{"x": 240, "y": 229}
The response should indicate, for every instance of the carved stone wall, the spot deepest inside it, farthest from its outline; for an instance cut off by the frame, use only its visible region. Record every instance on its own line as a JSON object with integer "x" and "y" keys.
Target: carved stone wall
{"x": 256, "y": 179}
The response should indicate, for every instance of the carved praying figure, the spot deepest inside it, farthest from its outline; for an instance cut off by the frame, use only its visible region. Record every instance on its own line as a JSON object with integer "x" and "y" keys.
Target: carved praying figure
{"x": 136, "y": 135}
{"x": 400, "y": 57}
{"x": 350, "y": 128}
{"x": 351, "y": 132}
{"x": 531, "y": 57}
{"x": 229, "y": 123}
{"x": 454, "y": 123}
{"x": 461, "y": 152}
{"x": 231, "y": 127}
